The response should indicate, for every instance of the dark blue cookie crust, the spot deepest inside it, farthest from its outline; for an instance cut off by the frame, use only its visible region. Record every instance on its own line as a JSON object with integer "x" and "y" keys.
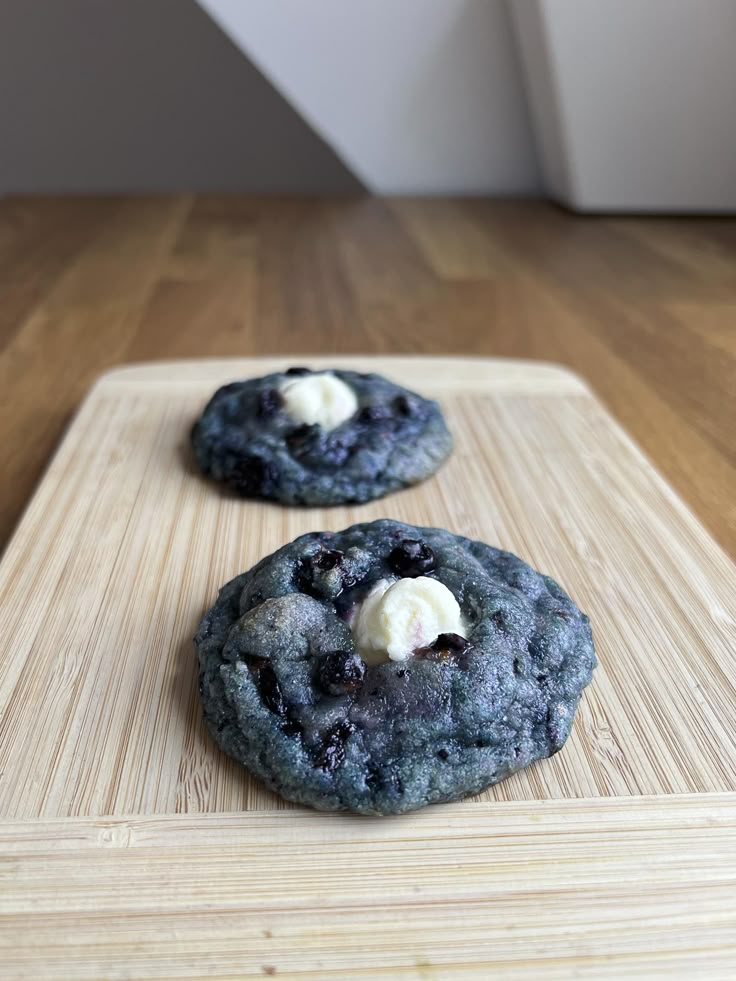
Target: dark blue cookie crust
{"x": 246, "y": 439}
{"x": 285, "y": 694}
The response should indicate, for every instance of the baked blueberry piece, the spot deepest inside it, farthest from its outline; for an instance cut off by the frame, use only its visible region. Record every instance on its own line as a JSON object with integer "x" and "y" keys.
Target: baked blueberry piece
{"x": 328, "y": 437}
{"x": 386, "y": 667}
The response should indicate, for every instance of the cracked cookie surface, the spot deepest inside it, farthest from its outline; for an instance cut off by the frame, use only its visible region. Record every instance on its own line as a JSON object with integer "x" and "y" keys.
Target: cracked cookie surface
{"x": 286, "y": 693}
{"x": 246, "y": 439}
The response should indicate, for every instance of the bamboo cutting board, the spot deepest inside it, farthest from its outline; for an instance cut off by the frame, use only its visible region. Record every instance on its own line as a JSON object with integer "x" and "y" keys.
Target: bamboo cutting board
{"x": 123, "y": 547}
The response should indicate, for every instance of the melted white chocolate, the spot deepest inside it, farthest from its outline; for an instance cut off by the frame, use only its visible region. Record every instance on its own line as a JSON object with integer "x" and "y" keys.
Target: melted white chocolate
{"x": 319, "y": 400}
{"x": 398, "y": 617}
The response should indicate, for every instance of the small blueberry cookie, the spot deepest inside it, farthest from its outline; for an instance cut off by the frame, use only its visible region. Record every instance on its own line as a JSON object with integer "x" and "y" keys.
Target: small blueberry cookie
{"x": 318, "y": 438}
{"x": 386, "y": 667}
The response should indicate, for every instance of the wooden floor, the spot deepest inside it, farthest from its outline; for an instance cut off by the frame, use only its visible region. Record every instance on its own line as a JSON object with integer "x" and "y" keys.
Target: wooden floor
{"x": 644, "y": 309}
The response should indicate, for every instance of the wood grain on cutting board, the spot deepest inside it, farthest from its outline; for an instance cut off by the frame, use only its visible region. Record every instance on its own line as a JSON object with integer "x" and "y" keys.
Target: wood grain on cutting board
{"x": 610, "y": 888}
{"x": 124, "y": 546}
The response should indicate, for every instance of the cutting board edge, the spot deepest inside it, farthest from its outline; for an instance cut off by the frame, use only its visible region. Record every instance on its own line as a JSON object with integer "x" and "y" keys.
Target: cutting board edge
{"x": 88, "y": 831}
{"x": 508, "y": 372}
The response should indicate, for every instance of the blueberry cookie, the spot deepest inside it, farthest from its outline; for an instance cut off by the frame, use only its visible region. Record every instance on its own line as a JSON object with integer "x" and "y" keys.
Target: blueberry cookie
{"x": 386, "y": 667}
{"x": 328, "y": 437}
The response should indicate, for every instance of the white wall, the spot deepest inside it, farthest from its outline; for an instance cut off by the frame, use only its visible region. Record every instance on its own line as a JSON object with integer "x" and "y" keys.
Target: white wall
{"x": 634, "y": 100}
{"x": 416, "y": 96}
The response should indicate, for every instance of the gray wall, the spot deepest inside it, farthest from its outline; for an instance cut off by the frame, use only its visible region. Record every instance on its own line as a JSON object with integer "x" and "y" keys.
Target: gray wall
{"x": 392, "y": 96}
{"x": 144, "y": 95}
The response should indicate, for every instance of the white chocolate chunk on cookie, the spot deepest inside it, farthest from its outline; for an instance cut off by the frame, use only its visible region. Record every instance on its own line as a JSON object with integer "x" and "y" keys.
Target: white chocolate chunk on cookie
{"x": 319, "y": 399}
{"x": 399, "y": 617}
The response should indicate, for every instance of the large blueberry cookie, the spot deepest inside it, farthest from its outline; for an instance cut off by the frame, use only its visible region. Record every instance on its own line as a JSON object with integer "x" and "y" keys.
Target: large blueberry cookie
{"x": 386, "y": 667}
{"x": 319, "y": 438}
